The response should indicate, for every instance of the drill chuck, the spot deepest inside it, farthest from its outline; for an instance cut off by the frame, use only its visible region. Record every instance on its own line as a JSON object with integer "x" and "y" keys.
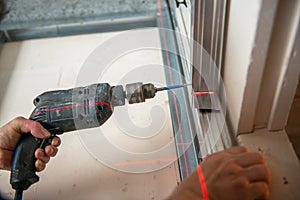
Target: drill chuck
{"x": 134, "y": 93}
{"x": 137, "y": 92}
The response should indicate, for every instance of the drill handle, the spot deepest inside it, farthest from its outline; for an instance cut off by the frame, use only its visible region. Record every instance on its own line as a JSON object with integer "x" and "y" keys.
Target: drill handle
{"x": 23, "y": 172}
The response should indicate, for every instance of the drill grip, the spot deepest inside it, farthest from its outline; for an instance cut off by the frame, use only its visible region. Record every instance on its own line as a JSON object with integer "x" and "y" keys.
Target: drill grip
{"x": 23, "y": 172}
{"x": 62, "y": 111}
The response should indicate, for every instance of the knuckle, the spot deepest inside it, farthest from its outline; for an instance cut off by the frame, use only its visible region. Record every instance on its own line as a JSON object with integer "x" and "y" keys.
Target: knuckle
{"x": 241, "y": 184}
{"x": 46, "y": 159}
{"x": 265, "y": 169}
{"x": 259, "y": 157}
{"x": 55, "y": 151}
{"x": 39, "y": 165}
{"x": 264, "y": 172}
{"x": 264, "y": 190}
{"x": 243, "y": 149}
{"x": 231, "y": 163}
{"x": 231, "y": 168}
{"x": 17, "y": 121}
{"x": 34, "y": 125}
{"x": 39, "y": 153}
{"x": 19, "y": 118}
{"x": 51, "y": 150}
{"x": 266, "y": 187}
{"x": 56, "y": 141}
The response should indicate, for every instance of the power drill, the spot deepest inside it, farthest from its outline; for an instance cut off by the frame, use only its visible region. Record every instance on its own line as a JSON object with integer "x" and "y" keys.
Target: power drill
{"x": 63, "y": 111}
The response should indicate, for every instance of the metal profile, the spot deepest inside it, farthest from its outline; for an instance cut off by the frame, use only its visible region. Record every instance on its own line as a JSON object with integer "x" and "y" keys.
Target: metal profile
{"x": 184, "y": 129}
{"x": 208, "y": 30}
{"x": 209, "y": 132}
{"x": 86, "y": 27}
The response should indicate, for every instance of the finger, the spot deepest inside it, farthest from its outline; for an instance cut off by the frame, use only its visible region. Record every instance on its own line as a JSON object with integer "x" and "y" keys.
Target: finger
{"x": 258, "y": 173}
{"x": 51, "y": 151}
{"x": 38, "y": 130}
{"x": 232, "y": 150}
{"x": 40, "y": 165}
{"x": 40, "y": 155}
{"x": 249, "y": 158}
{"x": 224, "y": 155}
{"x": 259, "y": 190}
{"x": 5, "y": 159}
{"x": 237, "y": 150}
{"x": 23, "y": 125}
{"x": 56, "y": 141}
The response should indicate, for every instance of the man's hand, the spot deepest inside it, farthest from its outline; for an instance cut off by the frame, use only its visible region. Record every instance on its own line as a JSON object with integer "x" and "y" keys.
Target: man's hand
{"x": 234, "y": 174}
{"x": 10, "y": 135}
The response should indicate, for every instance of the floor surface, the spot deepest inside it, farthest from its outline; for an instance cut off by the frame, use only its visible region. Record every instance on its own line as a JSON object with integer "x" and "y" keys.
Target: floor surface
{"x": 119, "y": 160}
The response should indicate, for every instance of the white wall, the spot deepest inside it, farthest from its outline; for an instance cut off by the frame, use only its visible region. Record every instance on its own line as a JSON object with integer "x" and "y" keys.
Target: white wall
{"x": 261, "y": 73}
{"x": 249, "y": 32}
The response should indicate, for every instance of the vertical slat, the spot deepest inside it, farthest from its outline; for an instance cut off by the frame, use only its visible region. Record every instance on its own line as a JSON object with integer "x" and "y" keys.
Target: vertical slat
{"x": 288, "y": 80}
{"x": 248, "y": 37}
{"x": 281, "y": 69}
{"x": 208, "y": 31}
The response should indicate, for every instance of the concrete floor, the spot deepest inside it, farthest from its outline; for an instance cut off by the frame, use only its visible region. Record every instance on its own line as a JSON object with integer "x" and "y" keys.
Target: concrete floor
{"x": 293, "y": 125}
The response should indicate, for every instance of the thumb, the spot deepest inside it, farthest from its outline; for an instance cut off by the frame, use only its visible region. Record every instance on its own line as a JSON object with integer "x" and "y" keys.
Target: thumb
{"x": 33, "y": 127}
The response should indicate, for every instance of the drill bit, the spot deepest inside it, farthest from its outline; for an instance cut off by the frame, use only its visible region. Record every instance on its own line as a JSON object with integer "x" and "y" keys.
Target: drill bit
{"x": 184, "y": 85}
{"x": 172, "y": 87}
{"x": 139, "y": 92}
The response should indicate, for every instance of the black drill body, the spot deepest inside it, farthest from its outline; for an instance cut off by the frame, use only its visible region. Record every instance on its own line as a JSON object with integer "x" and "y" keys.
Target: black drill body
{"x": 73, "y": 109}
{"x": 63, "y": 111}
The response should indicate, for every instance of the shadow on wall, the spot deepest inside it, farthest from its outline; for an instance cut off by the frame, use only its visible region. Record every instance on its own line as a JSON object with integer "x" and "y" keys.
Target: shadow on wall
{"x": 293, "y": 124}
{"x": 7, "y": 66}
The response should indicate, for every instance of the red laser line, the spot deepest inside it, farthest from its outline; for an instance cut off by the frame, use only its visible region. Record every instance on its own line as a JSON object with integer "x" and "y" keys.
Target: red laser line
{"x": 73, "y": 105}
{"x": 184, "y": 143}
{"x": 188, "y": 143}
{"x": 202, "y": 183}
{"x": 201, "y": 93}
{"x": 165, "y": 41}
{"x": 145, "y": 161}
{"x": 172, "y": 83}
